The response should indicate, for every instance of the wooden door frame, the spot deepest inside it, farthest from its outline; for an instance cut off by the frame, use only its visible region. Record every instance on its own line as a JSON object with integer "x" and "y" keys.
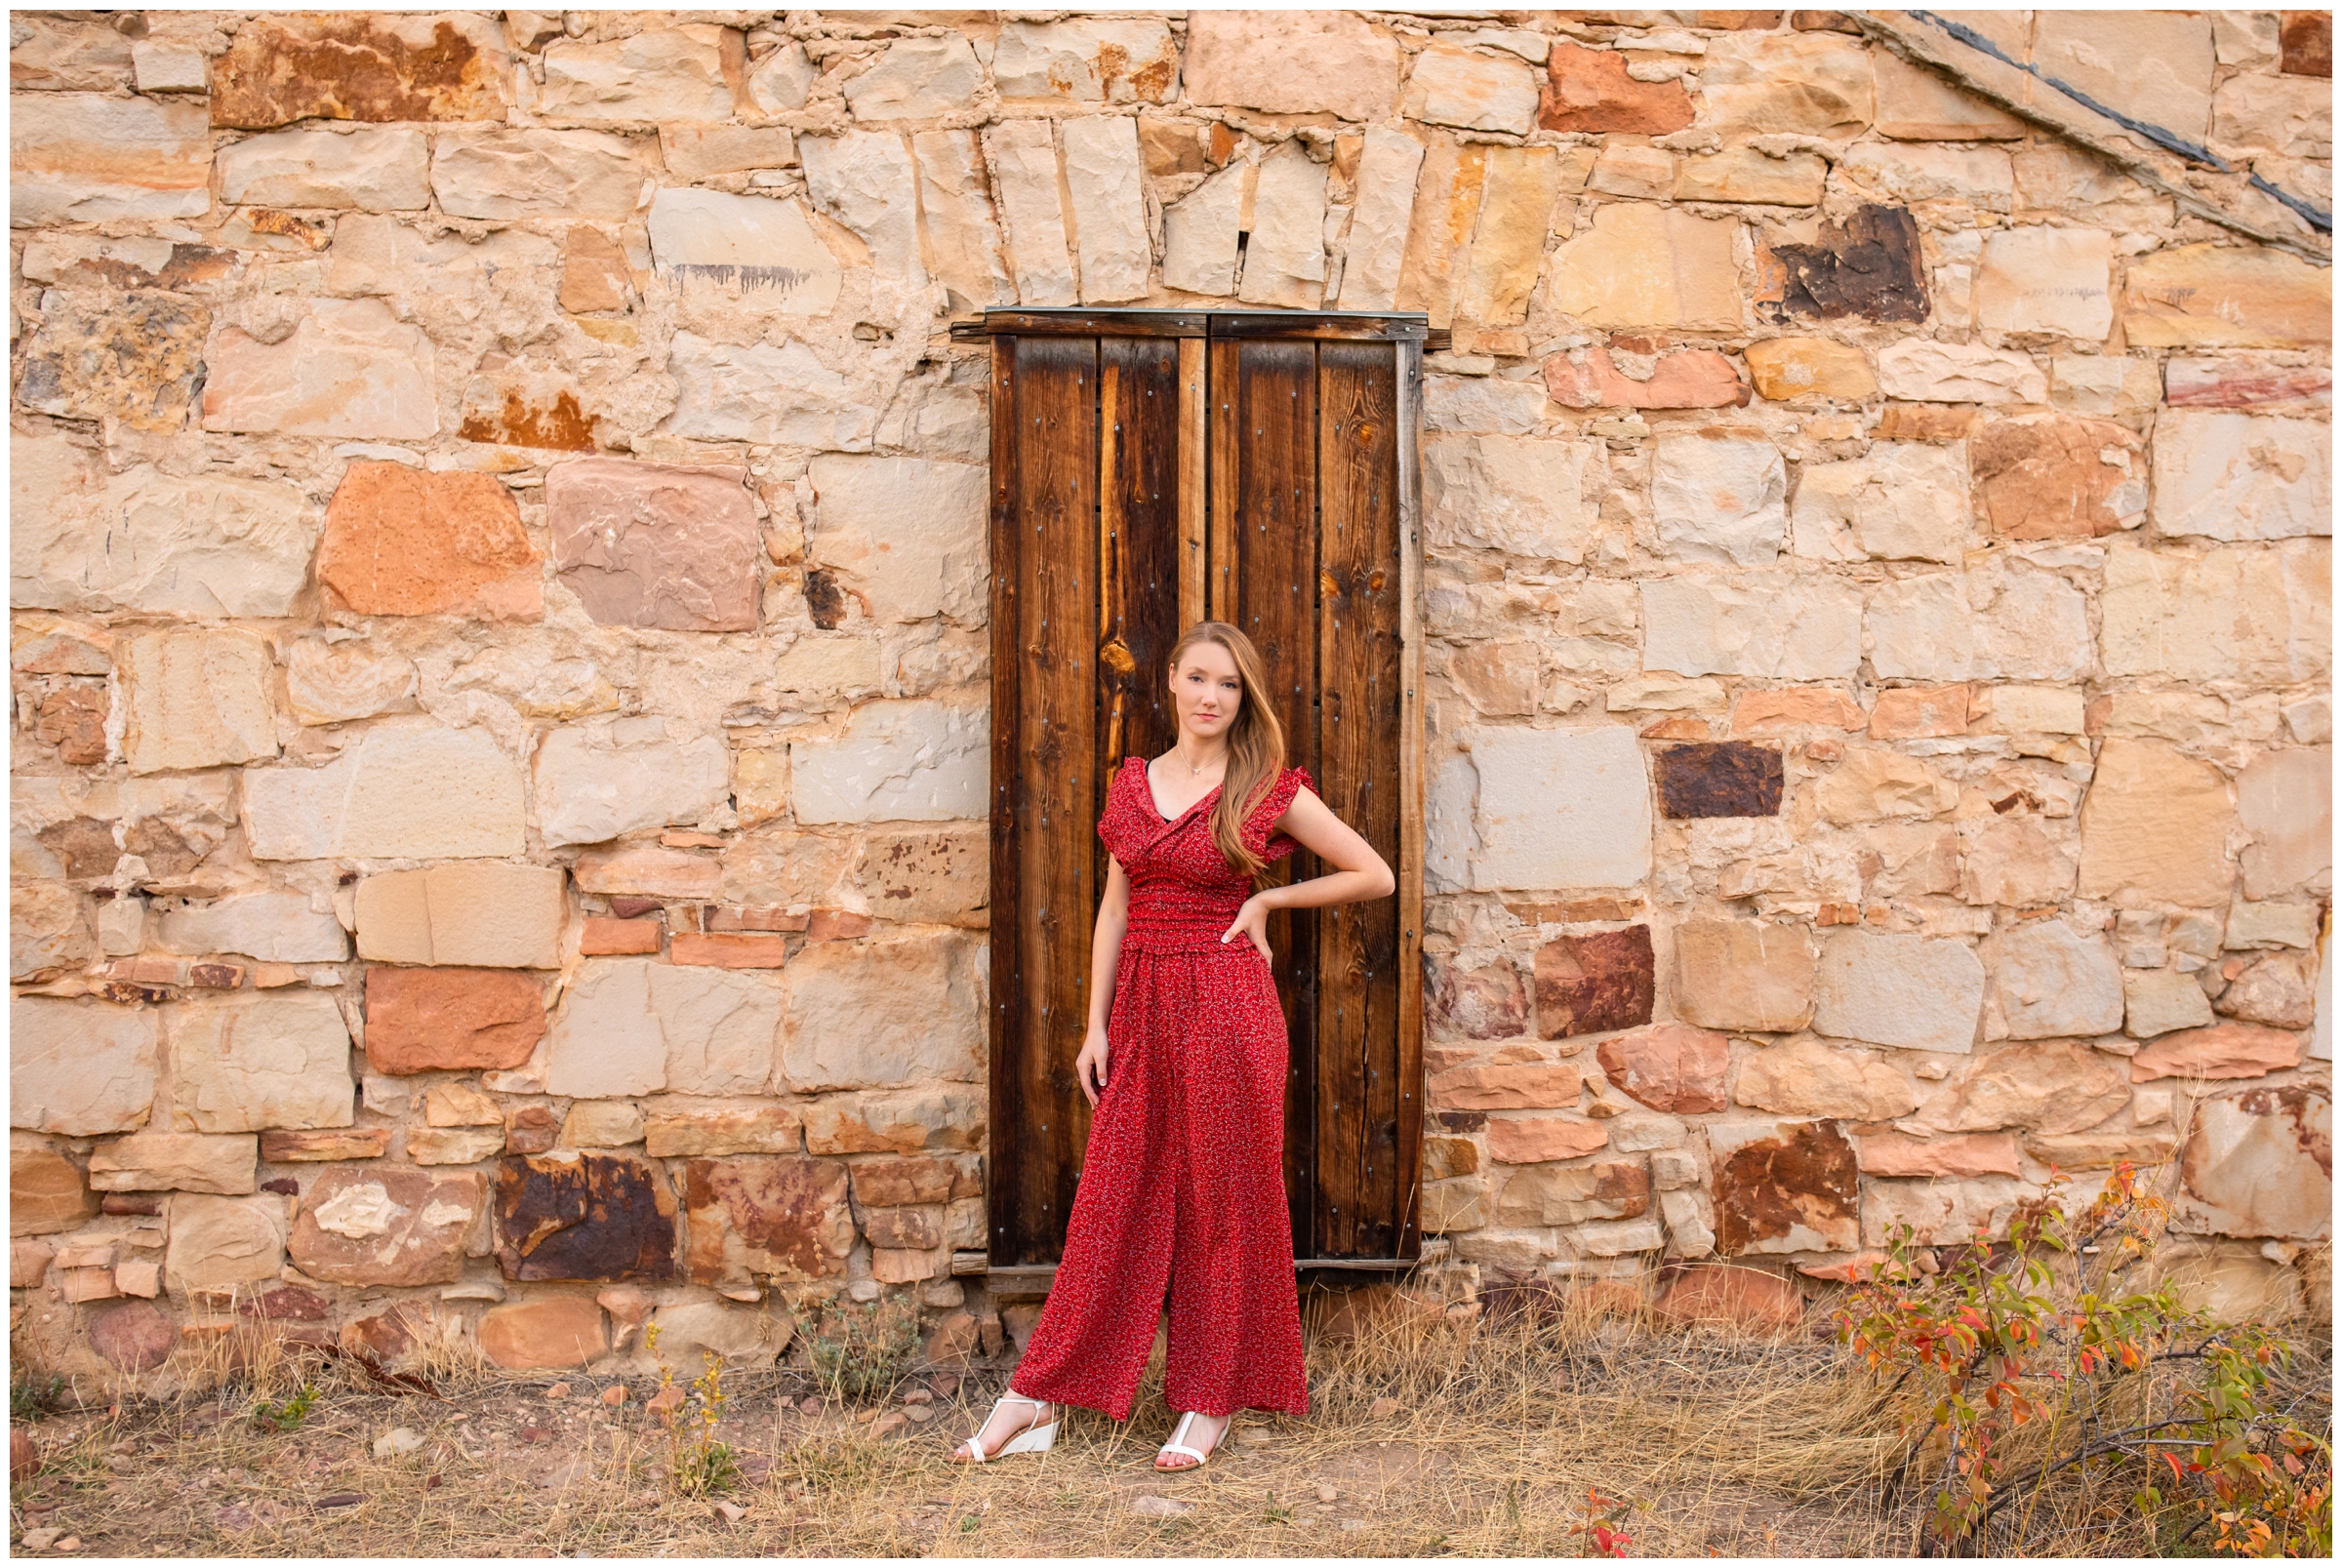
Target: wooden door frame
{"x": 1204, "y": 509}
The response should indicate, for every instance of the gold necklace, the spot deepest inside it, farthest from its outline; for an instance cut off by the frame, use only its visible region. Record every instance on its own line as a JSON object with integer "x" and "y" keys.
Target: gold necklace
{"x": 1194, "y": 772}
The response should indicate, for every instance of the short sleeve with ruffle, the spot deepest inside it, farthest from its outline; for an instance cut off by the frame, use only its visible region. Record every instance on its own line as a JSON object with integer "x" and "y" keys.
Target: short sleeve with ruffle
{"x": 1269, "y": 846}
{"x": 1119, "y": 828}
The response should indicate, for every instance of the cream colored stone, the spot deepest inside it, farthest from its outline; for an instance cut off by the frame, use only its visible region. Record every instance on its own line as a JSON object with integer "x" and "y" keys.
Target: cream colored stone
{"x": 1751, "y": 175}
{"x": 1743, "y": 975}
{"x": 697, "y": 151}
{"x": 865, "y": 180}
{"x": 1285, "y": 263}
{"x": 2050, "y": 982}
{"x": 420, "y": 792}
{"x": 1996, "y": 621}
{"x": 2018, "y": 861}
{"x": 915, "y": 79}
{"x": 905, "y": 534}
{"x": 1471, "y": 90}
{"x": 1200, "y": 232}
{"x": 383, "y": 169}
{"x": 1874, "y": 783}
{"x": 1915, "y": 103}
{"x": 1525, "y": 496}
{"x": 884, "y": 1015}
{"x": 454, "y": 1145}
{"x": 1023, "y": 154}
{"x": 1806, "y": 1077}
{"x": 1388, "y": 166}
{"x": 1766, "y": 83}
{"x": 765, "y": 248}
{"x": 2285, "y": 801}
{"x": 503, "y": 174}
{"x": 2218, "y": 614}
{"x": 1507, "y": 246}
{"x": 1786, "y": 368}
{"x": 2272, "y": 925}
{"x": 1981, "y": 176}
{"x": 1901, "y": 501}
{"x": 2033, "y": 709}
{"x": 962, "y": 233}
{"x": 1089, "y": 59}
{"x": 80, "y": 1067}
{"x": 1642, "y": 265}
{"x": 2149, "y": 66}
{"x": 351, "y": 367}
{"x": 2104, "y": 385}
{"x": 2154, "y": 828}
{"x": 730, "y": 393}
{"x": 900, "y": 761}
{"x": 85, "y": 158}
{"x": 275, "y": 926}
{"x": 652, "y": 77}
{"x": 225, "y": 1244}
{"x": 597, "y": 781}
{"x": 783, "y": 80}
{"x": 1775, "y": 625}
{"x": 480, "y": 914}
{"x": 1716, "y": 495}
{"x": 2044, "y": 279}
{"x": 602, "y": 1124}
{"x": 1551, "y": 809}
{"x": 2241, "y": 476}
{"x": 1103, "y": 178}
{"x": 2156, "y": 1001}
{"x": 274, "y": 1058}
{"x": 1908, "y": 992}
{"x": 334, "y": 682}
{"x": 152, "y": 1161}
{"x": 195, "y": 700}
{"x": 1291, "y": 62}
{"x": 2210, "y": 296}
{"x": 634, "y": 1025}
{"x": 1929, "y": 371}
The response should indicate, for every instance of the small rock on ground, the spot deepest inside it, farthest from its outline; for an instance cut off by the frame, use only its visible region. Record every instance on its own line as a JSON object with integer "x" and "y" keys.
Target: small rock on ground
{"x": 397, "y": 1440}
{"x": 1149, "y": 1507}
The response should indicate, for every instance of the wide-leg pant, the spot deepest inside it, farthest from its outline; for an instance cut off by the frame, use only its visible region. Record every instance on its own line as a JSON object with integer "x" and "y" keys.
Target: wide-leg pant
{"x": 1182, "y": 1182}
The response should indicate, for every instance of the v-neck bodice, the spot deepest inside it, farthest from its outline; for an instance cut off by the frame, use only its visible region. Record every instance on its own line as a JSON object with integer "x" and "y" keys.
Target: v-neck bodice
{"x": 1183, "y": 892}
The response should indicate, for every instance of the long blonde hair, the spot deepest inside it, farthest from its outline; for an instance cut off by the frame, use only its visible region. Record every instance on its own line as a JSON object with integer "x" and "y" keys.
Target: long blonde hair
{"x": 1255, "y": 744}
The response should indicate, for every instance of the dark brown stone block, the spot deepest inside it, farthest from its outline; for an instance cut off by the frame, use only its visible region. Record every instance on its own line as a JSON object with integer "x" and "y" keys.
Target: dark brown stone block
{"x": 1586, "y": 985}
{"x": 1795, "y": 1189}
{"x": 1486, "y": 1003}
{"x": 1869, "y": 267}
{"x": 2306, "y": 43}
{"x": 767, "y": 1216}
{"x": 1719, "y": 778}
{"x": 584, "y": 1217}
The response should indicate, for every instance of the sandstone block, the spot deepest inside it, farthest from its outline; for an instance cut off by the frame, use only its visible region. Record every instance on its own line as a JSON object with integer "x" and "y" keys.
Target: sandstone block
{"x": 594, "y": 782}
{"x": 1784, "y": 368}
{"x": 1686, "y": 378}
{"x": 1590, "y": 90}
{"x": 696, "y": 151}
{"x": 134, "y": 357}
{"x": 2254, "y": 615}
{"x": 883, "y": 1013}
{"x": 1554, "y": 809}
{"x": 80, "y": 1067}
{"x": 1111, "y": 59}
{"x": 1772, "y": 713}
{"x": 1769, "y": 82}
{"x": 2225, "y": 297}
{"x": 152, "y": 1161}
{"x": 963, "y": 233}
{"x": 2241, "y": 476}
{"x": 601, "y": 1124}
{"x": 937, "y": 876}
{"x": 481, "y": 913}
{"x": 1102, "y": 178}
{"x": 630, "y": 1027}
{"x": 1739, "y": 974}
{"x": 2285, "y": 801}
{"x": 1915, "y": 105}
{"x": 86, "y": 158}
{"x": 1023, "y": 155}
{"x": 604, "y": 938}
{"x": 1919, "y": 713}
{"x": 1941, "y": 1213}
{"x": 917, "y": 762}
{"x": 1956, "y": 1156}
{"x": 582, "y": 1217}
{"x": 1573, "y": 1195}
{"x": 893, "y": 1124}
{"x": 261, "y": 1060}
{"x": 451, "y": 1019}
{"x": 2223, "y": 1051}
{"x": 136, "y": 1336}
{"x": 2044, "y": 279}
{"x": 1900, "y": 500}
{"x": 729, "y": 951}
{"x": 680, "y": 1126}
{"x": 1909, "y": 993}
{"x": 1388, "y": 165}
{"x": 655, "y": 76}
{"x": 280, "y": 1147}
{"x": 531, "y": 1130}
{"x": 1589, "y": 985}
{"x": 386, "y": 1227}
{"x": 46, "y": 1192}
{"x": 225, "y": 1244}
{"x": 1719, "y": 498}
{"x": 428, "y": 67}
{"x": 2056, "y": 477}
{"x": 1734, "y": 1296}
{"x": 1522, "y": 495}
{"x": 645, "y": 545}
{"x": 1747, "y": 175}
{"x": 649, "y": 870}
{"x": 551, "y": 1331}
{"x": 764, "y": 1218}
{"x": 275, "y": 927}
{"x": 916, "y": 79}
{"x": 2154, "y": 828}
{"x": 1869, "y": 266}
{"x": 1999, "y": 620}
{"x": 690, "y": 1331}
{"x": 454, "y": 1145}
{"x": 1285, "y": 263}
{"x": 1979, "y": 176}
{"x": 2051, "y": 981}
{"x": 906, "y": 535}
{"x": 195, "y": 700}
{"x": 1928, "y": 371}
{"x": 2059, "y": 1088}
{"x": 1528, "y": 1140}
{"x": 1291, "y": 62}
{"x": 376, "y": 171}
{"x": 1755, "y": 624}
{"x": 350, "y": 369}
{"x": 399, "y": 541}
{"x": 2016, "y": 861}
{"x": 766, "y": 248}
{"x": 1484, "y": 1003}
{"x": 1512, "y": 1086}
{"x": 2251, "y": 1165}
{"x": 404, "y": 793}
{"x": 2158, "y": 1001}
{"x": 731, "y": 393}
{"x": 1638, "y": 264}
{"x": 1668, "y": 1068}
{"x": 1720, "y": 778}
{"x": 1809, "y": 1078}
{"x": 506, "y": 173}
{"x": 331, "y": 683}
{"x": 48, "y": 922}
{"x": 1477, "y": 92}
{"x": 1783, "y": 1187}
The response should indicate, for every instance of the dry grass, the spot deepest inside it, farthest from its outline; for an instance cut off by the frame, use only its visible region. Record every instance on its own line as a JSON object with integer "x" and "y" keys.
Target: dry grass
{"x": 1721, "y": 1444}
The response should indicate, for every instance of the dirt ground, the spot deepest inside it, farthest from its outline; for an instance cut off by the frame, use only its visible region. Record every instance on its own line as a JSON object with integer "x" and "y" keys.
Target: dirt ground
{"x": 1425, "y": 1439}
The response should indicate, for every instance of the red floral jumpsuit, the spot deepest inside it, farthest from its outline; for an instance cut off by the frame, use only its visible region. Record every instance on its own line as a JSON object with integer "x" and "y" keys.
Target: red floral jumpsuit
{"x": 1187, "y": 1150}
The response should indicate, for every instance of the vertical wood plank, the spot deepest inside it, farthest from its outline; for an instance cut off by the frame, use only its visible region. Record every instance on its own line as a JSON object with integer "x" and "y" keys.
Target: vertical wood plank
{"x": 1357, "y": 1156}
{"x": 1010, "y": 1150}
{"x": 1056, "y": 496}
{"x": 1195, "y": 501}
{"x": 1275, "y": 598}
{"x": 1140, "y": 531}
{"x": 1224, "y": 461}
{"x": 1408, "y": 385}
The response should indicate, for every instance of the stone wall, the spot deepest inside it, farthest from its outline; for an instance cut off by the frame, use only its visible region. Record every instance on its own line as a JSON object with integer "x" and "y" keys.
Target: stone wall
{"x": 497, "y": 581}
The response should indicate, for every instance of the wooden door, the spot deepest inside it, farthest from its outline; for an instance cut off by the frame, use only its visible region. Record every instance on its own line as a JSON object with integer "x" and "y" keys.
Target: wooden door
{"x": 1151, "y": 469}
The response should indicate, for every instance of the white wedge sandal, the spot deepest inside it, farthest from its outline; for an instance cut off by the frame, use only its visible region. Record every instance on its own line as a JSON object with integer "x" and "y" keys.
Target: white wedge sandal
{"x": 1036, "y": 1439}
{"x": 1178, "y": 1445}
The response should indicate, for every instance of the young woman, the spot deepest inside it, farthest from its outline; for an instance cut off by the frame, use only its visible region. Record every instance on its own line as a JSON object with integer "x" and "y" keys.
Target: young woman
{"x": 1184, "y": 1181}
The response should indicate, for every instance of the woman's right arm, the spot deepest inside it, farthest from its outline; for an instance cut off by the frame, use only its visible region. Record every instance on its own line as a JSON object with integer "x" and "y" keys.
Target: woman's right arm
{"x": 1106, "y": 955}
